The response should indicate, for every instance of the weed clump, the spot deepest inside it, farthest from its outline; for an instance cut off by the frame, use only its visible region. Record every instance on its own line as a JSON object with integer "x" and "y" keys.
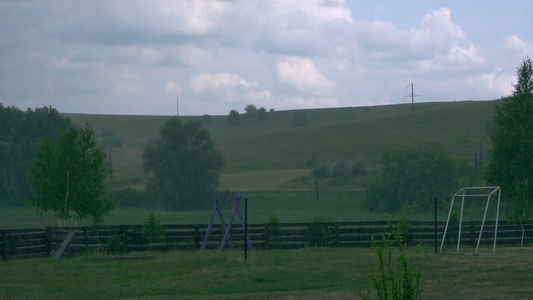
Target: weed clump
{"x": 398, "y": 276}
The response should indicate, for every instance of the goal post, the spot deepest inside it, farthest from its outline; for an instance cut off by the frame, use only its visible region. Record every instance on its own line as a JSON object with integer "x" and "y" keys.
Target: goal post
{"x": 465, "y": 193}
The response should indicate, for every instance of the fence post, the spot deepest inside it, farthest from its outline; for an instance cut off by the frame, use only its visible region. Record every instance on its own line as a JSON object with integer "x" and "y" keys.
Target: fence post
{"x": 336, "y": 234}
{"x": 267, "y": 237}
{"x": 124, "y": 229}
{"x": 4, "y": 256}
{"x": 197, "y": 237}
{"x": 86, "y": 240}
{"x": 48, "y": 241}
{"x": 472, "y": 234}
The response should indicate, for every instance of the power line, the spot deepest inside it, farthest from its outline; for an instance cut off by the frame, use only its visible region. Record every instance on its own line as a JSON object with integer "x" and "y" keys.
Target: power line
{"x": 412, "y": 95}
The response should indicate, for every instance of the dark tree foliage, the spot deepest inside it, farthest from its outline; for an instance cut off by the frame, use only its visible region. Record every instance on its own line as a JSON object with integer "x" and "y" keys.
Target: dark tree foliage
{"x": 511, "y": 157}
{"x": 184, "y": 165}
{"x": 413, "y": 175}
{"x": 250, "y": 109}
{"x": 69, "y": 176}
{"x": 234, "y": 119}
{"x": 262, "y": 114}
{"x": 20, "y": 134}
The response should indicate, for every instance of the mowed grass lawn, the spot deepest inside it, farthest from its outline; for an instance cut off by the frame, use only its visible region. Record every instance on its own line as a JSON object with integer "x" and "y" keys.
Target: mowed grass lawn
{"x": 309, "y": 273}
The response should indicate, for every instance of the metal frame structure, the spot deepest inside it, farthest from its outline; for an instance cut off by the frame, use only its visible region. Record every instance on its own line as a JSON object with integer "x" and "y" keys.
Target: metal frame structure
{"x": 463, "y": 194}
{"x": 227, "y": 228}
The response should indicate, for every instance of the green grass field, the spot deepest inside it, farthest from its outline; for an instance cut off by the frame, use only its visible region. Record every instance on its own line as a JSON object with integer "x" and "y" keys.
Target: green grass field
{"x": 310, "y": 273}
{"x": 271, "y": 155}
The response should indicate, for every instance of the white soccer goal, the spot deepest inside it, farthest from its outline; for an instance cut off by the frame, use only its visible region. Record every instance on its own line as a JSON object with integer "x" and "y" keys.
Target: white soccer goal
{"x": 486, "y": 191}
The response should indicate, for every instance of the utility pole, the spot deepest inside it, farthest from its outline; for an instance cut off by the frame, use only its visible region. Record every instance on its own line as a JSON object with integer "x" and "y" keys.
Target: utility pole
{"x": 412, "y": 95}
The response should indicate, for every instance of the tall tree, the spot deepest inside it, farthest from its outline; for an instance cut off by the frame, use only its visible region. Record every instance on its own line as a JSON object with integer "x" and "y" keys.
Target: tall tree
{"x": 250, "y": 109}
{"x": 20, "y": 134}
{"x": 184, "y": 165}
{"x": 234, "y": 119}
{"x": 261, "y": 114}
{"x": 69, "y": 176}
{"x": 511, "y": 157}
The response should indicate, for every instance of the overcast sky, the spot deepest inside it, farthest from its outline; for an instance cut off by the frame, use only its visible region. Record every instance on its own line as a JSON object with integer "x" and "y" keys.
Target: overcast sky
{"x": 138, "y": 57}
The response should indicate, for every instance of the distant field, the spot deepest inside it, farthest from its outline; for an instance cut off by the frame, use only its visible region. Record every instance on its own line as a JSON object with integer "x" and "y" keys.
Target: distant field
{"x": 286, "y": 206}
{"x": 271, "y": 155}
{"x": 309, "y": 273}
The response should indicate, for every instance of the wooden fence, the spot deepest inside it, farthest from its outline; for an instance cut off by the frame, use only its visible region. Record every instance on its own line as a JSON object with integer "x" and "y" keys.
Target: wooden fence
{"x": 18, "y": 243}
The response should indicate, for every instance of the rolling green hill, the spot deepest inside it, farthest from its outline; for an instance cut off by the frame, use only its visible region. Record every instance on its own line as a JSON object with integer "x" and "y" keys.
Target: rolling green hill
{"x": 270, "y": 155}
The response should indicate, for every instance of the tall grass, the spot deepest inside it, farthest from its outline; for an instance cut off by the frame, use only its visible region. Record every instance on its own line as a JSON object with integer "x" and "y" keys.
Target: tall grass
{"x": 311, "y": 273}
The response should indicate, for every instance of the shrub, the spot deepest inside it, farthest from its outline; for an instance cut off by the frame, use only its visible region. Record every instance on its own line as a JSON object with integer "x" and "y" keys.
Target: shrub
{"x": 152, "y": 229}
{"x": 319, "y": 232}
{"x": 398, "y": 276}
{"x": 115, "y": 245}
{"x": 274, "y": 231}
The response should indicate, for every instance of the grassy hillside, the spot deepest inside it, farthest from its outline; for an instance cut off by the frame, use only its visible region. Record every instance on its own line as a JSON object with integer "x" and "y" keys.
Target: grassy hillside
{"x": 272, "y": 155}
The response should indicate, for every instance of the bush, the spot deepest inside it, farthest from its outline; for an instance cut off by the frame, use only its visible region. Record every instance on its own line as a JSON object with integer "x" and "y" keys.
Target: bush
{"x": 274, "y": 231}
{"x": 319, "y": 232}
{"x": 234, "y": 119}
{"x": 152, "y": 229}
{"x": 115, "y": 245}
{"x": 413, "y": 175}
{"x": 398, "y": 276}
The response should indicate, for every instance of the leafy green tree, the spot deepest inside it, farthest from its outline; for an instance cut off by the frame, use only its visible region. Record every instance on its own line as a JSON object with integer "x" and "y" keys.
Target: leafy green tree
{"x": 184, "y": 165}
{"x": 262, "y": 114}
{"x": 69, "y": 176}
{"x": 234, "y": 119}
{"x": 413, "y": 175}
{"x": 20, "y": 134}
{"x": 250, "y": 109}
{"x": 153, "y": 230}
{"x": 511, "y": 157}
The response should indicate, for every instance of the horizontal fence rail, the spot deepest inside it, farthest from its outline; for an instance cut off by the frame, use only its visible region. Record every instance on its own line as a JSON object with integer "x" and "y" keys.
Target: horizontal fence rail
{"x": 22, "y": 243}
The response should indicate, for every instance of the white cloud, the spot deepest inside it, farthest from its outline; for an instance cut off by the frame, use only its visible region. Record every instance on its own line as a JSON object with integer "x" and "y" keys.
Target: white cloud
{"x": 439, "y": 23}
{"x": 223, "y": 55}
{"x": 492, "y": 83}
{"x": 302, "y": 74}
{"x": 145, "y": 55}
{"x": 207, "y": 81}
{"x": 168, "y": 16}
{"x": 173, "y": 88}
{"x": 295, "y": 27}
{"x": 124, "y": 82}
{"x": 191, "y": 55}
{"x": 515, "y": 43}
{"x": 313, "y": 102}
